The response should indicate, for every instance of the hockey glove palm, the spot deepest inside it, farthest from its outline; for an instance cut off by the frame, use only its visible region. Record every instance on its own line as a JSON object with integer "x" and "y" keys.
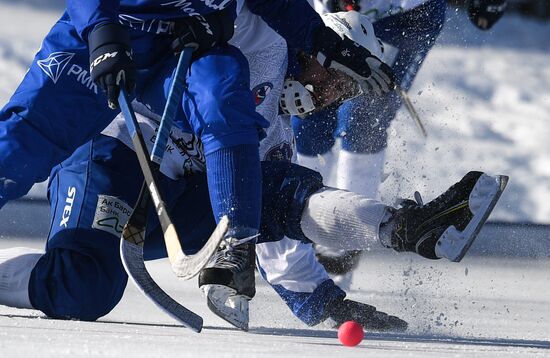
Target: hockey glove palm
{"x": 485, "y": 13}
{"x": 333, "y": 51}
{"x": 202, "y": 33}
{"x": 111, "y": 63}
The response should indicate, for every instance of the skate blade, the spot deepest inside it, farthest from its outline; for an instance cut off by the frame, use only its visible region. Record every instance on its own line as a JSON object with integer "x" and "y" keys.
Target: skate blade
{"x": 454, "y": 244}
{"x": 224, "y": 302}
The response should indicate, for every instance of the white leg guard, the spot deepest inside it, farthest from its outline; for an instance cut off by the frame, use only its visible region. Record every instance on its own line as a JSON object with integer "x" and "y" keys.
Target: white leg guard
{"x": 340, "y": 219}
{"x": 291, "y": 264}
{"x": 16, "y": 265}
{"x": 360, "y": 173}
{"x": 323, "y": 164}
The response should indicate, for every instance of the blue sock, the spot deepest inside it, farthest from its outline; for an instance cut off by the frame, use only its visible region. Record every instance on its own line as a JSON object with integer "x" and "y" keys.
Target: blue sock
{"x": 235, "y": 187}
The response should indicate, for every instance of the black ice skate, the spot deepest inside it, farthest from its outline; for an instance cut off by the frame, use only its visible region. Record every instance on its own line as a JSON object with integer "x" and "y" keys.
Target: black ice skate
{"x": 448, "y": 225}
{"x": 367, "y": 316}
{"x": 228, "y": 281}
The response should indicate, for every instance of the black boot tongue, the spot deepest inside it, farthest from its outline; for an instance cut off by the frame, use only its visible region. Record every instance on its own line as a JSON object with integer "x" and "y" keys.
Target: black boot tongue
{"x": 418, "y": 198}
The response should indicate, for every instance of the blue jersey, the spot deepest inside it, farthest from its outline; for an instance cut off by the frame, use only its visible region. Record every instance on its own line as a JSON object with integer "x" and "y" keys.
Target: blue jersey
{"x": 149, "y": 13}
{"x": 294, "y": 20}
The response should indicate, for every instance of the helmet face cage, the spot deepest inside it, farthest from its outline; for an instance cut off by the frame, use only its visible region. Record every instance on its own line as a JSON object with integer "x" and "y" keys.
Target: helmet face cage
{"x": 296, "y": 99}
{"x": 300, "y": 98}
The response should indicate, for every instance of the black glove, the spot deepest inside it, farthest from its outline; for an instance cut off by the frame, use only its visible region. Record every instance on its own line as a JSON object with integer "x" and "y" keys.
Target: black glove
{"x": 485, "y": 13}
{"x": 203, "y": 32}
{"x": 111, "y": 63}
{"x": 353, "y": 59}
{"x": 367, "y": 316}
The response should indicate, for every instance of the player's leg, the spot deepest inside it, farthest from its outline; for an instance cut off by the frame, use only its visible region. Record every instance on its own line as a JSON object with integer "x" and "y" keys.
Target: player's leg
{"x": 302, "y": 208}
{"x": 364, "y": 121}
{"x": 55, "y": 109}
{"x": 315, "y": 140}
{"x": 220, "y": 109}
{"x": 291, "y": 267}
{"x": 80, "y": 275}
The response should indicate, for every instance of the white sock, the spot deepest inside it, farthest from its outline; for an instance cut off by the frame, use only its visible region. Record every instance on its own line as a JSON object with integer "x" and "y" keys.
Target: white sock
{"x": 360, "y": 173}
{"x": 323, "y": 164}
{"x": 16, "y": 265}
{"x": 340, "y": 219}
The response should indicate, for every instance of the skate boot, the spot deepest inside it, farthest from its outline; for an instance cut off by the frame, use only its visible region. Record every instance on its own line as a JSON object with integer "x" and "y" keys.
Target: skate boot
{"x": 448, "y": 225}
{"x": 228, "y": 280}
{"x": 366, "y": 315}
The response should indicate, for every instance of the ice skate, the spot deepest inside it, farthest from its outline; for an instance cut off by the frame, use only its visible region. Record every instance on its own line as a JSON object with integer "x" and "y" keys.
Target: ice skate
{"x": 366, "y": 315}
{"x": 228, "y": 281}
{"x": 448, "y": 225}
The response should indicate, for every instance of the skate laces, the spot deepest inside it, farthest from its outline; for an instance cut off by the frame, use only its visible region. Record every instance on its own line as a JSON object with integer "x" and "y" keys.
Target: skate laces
{"x": 233, "y": 253}
{"x": 441, "y": 200}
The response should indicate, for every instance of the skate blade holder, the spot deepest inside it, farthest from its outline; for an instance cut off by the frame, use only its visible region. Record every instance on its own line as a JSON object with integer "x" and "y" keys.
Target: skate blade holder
{"x": 226, "y": 304}
{"x": 453, "y": 244}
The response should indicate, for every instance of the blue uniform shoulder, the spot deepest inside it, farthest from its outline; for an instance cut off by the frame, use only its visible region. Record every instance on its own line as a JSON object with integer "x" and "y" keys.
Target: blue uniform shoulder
{"x": 85, "y": 15}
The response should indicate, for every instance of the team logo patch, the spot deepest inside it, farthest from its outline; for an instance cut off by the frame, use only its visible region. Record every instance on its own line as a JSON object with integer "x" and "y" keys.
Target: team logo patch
{"x": 281, "y": 152}
{"x": 261, "y": 91}
{"x": 111, "y": 214}
{"x": 55, "y": 64}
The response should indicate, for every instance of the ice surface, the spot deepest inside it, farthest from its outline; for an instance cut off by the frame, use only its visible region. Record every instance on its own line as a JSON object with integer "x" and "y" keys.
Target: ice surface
{"x": 478, "y": 308}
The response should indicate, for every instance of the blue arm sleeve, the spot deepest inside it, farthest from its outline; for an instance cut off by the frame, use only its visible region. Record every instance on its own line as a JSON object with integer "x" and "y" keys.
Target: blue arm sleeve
{"x": 85, "y": 15}
{"x": 295, "y": 20}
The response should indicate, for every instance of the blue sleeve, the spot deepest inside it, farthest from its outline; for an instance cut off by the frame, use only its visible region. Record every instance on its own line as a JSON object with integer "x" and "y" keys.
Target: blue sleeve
{"x": 85, "y": 15}
{"x": 295, "y": 20}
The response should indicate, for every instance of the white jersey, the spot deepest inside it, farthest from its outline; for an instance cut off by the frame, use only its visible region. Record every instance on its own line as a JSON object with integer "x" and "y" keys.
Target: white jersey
{"x": 266, "y": 53}
{"x": 377, "y": 9}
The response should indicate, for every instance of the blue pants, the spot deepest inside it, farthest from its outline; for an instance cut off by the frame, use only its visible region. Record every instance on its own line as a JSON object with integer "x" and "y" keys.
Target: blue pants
{"x": 81, "y": 275}
{"x": 362, "y": 122}
{"x": 57, "y": 108}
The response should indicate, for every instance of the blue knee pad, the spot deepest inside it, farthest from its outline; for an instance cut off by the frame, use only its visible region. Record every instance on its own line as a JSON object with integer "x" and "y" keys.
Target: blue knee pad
{"x": 79, "y": 277}
{"x": 286, "y": 189}
{"x": 315, "y": 133}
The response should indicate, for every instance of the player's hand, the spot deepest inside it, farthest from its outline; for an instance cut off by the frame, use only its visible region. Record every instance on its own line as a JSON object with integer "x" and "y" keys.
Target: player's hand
{"x": 367, "y": 316}
{"x": 203, "y": 32}
{"x": 485, "y": 13}
{"x": 111, "y": 61}
{"x": 345, "y": 55}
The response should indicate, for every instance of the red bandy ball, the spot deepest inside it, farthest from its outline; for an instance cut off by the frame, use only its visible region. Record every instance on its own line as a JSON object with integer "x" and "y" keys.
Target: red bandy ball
{"x": 350, "y": 333}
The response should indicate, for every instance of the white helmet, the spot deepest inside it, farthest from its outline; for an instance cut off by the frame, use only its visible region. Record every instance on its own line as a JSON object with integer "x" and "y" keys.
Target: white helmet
{"x": 296, "y": 98}
{"x": 356, "y": 27}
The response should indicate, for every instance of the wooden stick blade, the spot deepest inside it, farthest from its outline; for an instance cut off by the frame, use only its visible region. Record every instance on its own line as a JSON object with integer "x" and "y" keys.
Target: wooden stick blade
{"x": 188, "y": 266}
{"x": 132, "y": 259}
